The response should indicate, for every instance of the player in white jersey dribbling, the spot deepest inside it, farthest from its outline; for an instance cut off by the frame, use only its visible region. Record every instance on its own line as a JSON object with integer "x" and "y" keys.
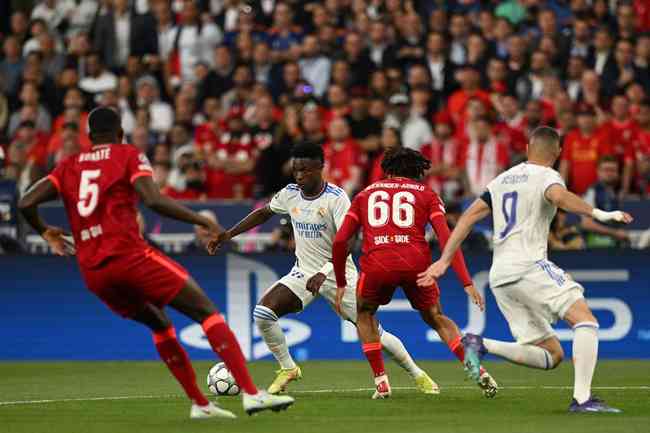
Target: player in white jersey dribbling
{"x": 317, "y": 210}
{"x": 532, "y": 292}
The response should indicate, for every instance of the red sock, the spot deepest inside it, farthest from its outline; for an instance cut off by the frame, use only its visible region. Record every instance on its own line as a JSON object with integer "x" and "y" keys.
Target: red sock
{"x": 225, "y": 344}
{"x": 373, "y": 353}
{"x": 457, "y": 347}
{"x": 176, "y": 359}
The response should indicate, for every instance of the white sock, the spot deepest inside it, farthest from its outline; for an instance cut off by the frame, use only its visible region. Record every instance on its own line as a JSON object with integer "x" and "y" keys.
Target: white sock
{"x": 522, "y": 354}
{"x": 585, "y": 355}
{"x": 395, "y": 348}
{"x": 267, "y": 323}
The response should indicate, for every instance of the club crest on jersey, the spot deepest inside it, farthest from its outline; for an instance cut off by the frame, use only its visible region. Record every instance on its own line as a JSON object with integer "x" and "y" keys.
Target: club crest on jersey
{"x": 322, "y": 212}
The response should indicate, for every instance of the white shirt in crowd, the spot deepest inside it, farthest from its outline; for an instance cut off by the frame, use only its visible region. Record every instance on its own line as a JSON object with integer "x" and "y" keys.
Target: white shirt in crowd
{"x": 195, "y": 47}
{"x": 416, "y": 132}
{"x": 122, "y": 37}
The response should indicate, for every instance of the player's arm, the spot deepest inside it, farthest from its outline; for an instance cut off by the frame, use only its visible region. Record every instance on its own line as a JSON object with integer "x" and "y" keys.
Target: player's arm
{"x": 558, "y": 195}
{"x": 151, "y": 197}
{"x": 252, "y": 220}
{"x": 339, "y": 211}
{"x": 43, "y": 191}
{"x": 340, "y": 252}
{"x": 476, "y": 212}
{"x": 439, "y": 224}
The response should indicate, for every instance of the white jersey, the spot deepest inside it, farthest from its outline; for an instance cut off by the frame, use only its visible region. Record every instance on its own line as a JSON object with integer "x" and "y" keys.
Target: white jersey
{"x": 522, "y": 217}
{"x": 315, "y": 223}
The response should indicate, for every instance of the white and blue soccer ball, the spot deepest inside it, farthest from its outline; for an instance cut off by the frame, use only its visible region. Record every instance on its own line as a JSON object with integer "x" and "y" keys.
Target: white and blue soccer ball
{"x": 221, "y": 382}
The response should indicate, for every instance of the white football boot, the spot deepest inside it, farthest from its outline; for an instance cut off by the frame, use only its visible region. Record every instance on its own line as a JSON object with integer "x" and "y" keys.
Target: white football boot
{"x": 382, "y": 388}
{"x": 264, "y": 401}
{"x": 211, "y": 410}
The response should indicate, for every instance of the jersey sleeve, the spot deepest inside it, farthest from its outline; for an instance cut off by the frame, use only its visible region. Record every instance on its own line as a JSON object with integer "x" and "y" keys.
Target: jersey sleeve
{"x": 340, "y": 209}
{"x": 278, "y": 203}
{"x": 56, "y": 176}
{"x": 138, "y": 165}
{"x": 552, "y": 178}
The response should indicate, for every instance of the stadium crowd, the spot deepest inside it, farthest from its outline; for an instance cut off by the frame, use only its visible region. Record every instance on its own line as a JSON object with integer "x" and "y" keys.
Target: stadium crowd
{"x": 217, "y": 92}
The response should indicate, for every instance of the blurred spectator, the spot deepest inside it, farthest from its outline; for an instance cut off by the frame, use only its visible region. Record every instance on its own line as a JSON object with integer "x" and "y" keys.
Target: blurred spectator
{"x": 194, "y": 41}
{"x": 11, "y": 65}
{"x": 483, "y": 156}
{"x": 54, "y": 13}
{"x": 271, "y": 168}
{"x": 314, "y": 66}
{"x": 31, "y": 109}
{"x": 390, "y": 139}
{"x": 581, "y": 149}
{"x": 415, "y": 130}
{"x": 96, "y": 78}
{"x": 564, "y": 237}
{"x": 447, "y": 175}
{"x": 641, "y": 142}
{"x": 343, "y": 162}
{"x": 121, "y": 33}
{"x": 70, "y": 139}
{"x": 148, "y": 97}
{"x": 604, "y": 195}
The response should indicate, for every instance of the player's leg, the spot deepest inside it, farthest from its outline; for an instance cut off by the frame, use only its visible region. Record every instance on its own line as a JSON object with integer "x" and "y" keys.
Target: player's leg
{"x": 390, "y": 343}
{"x": 175, "y": 357}
{"x": 585, "y": 356}
{"x": 368, "y": 330}
{"x": 195, "y": 304}
{"x": 276, "y": 303}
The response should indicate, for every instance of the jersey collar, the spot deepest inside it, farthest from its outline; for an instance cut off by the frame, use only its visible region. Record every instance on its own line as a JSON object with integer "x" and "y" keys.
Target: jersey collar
{"x": 325, "y": 185}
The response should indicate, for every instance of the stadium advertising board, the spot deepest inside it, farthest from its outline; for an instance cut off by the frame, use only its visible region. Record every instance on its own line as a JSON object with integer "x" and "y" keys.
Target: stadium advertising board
{"x": 46, "y": 312}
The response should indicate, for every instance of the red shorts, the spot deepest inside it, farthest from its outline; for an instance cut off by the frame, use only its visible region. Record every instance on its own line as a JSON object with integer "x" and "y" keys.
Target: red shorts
{"x": 128, "y": 282}
{"x": 378, "y": 287}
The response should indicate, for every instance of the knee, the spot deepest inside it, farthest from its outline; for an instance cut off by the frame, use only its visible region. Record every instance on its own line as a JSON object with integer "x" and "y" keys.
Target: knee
{"x": 557, "y": 355}
{"x": 264, "y": 316}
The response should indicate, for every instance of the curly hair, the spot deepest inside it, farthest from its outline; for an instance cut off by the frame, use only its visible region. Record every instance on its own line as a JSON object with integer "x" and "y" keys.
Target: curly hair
{"x": 403, "y": 162}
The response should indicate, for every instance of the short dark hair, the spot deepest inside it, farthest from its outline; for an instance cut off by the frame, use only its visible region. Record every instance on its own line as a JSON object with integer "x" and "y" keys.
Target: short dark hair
{"x": 607, "y": 159}
{"x": 104, "y": 120}
{"x": 308, "y": 151}
{"x": 545, "y": 133}
{"x": 404, "y": 162}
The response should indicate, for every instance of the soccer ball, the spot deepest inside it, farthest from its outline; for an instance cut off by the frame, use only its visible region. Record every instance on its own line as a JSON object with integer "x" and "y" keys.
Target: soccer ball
{"x": 221, "y": 382}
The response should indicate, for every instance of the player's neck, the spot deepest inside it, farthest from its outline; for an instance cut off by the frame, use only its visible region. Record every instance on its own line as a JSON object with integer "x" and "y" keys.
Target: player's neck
{"x": 315, "y": 192}
{"x": 539, "y": 162}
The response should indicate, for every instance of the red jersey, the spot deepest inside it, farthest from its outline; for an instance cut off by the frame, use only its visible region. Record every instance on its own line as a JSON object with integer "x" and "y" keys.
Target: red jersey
{"x": 100, "y": 200}
{"x": 582, "y": 153}
{"x": 393, "y": 215}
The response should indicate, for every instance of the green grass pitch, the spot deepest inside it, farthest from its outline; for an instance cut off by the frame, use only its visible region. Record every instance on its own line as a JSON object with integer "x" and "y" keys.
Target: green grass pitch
{"x": 333, "y": 397}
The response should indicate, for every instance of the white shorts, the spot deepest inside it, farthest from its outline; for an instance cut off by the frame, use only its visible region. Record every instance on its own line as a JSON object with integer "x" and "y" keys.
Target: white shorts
{"x": 536, "y": 301}
{"x": 296, "y": 281}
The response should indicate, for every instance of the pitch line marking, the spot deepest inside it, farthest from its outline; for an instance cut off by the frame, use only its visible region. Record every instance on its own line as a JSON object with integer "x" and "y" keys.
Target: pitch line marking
{"x": 308, "y": 391}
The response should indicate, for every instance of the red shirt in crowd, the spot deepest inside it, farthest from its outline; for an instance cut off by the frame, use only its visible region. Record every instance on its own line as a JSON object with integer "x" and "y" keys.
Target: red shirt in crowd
{"x": 439, "y": 152}
{"x": 341, "y": 161}
{"x": 582, "y": 153}
{"x": 221, "y": 183}
{"x": 458, "y": 100}
{"x": 642, "y": 11}
{"x": 621, "y": 135}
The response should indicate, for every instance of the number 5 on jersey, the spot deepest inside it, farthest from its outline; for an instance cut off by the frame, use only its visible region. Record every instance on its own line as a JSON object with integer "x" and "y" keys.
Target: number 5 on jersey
{"x": 88, "y": 192}
{"x": 403, "y": 212}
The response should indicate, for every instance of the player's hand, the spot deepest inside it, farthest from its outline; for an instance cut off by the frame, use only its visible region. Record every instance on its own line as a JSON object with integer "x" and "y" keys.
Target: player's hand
{"x": 614, "y": 216}
{"x": 60, "y": 244}
{"x": 315, "y": 282}
{"x": 475, "y": 296}
{"x": 216, "y": 242}
{"x": 340, "y": 291}
{"x": 433, "y": 272}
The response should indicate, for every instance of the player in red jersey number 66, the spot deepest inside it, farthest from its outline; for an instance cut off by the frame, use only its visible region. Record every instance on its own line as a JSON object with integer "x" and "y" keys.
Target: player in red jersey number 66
{"x": 394, "y": 213}
{"x": 99, "y": 189}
